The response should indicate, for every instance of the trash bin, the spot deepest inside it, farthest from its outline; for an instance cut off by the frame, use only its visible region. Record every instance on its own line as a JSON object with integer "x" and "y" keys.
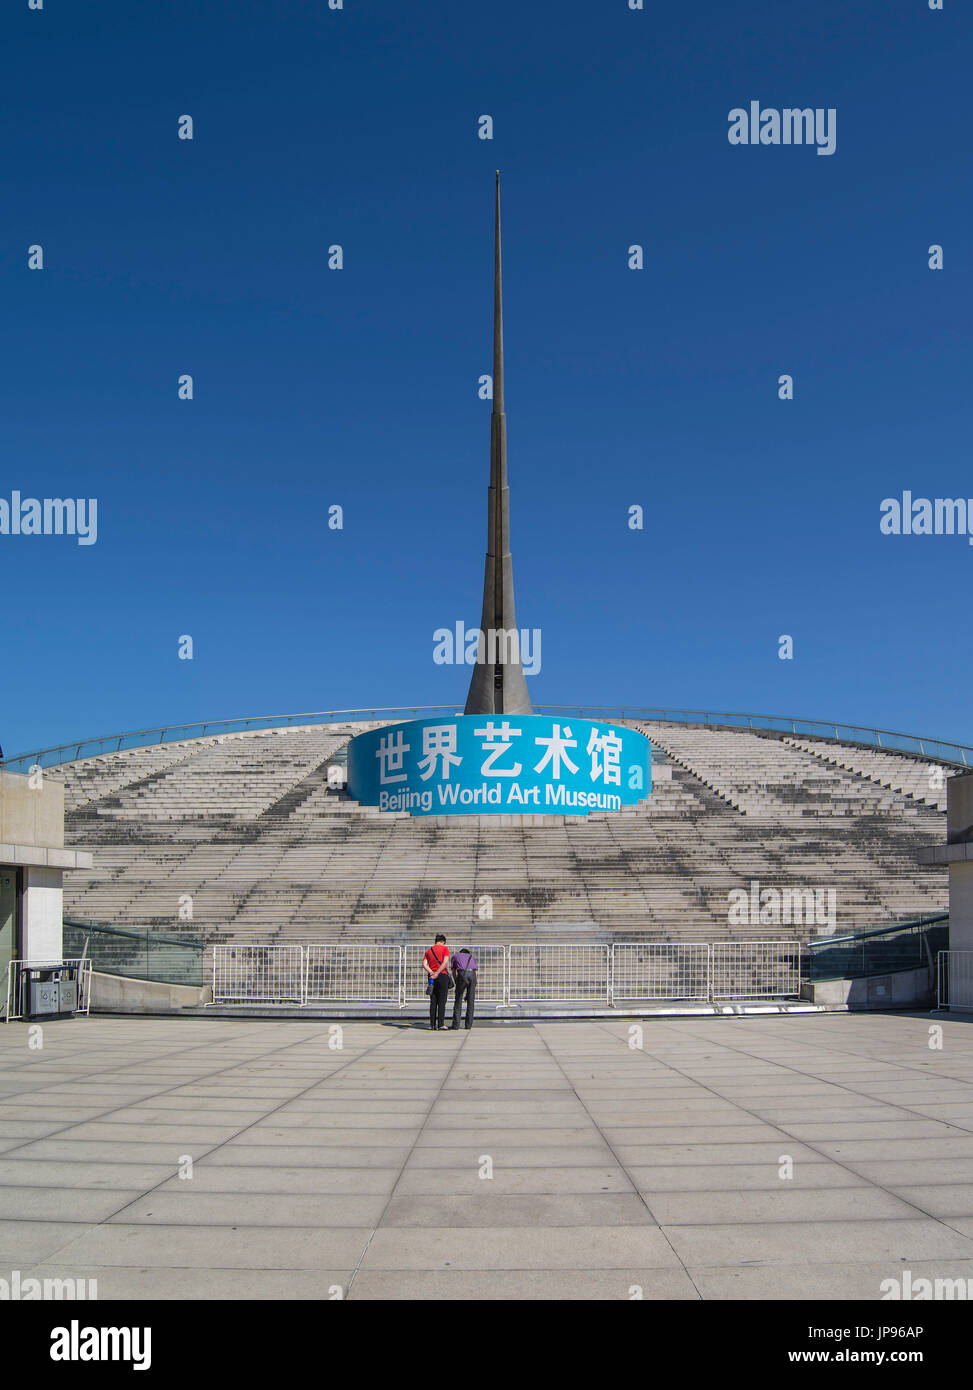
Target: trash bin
{"x": 45, "y": 993}
{"x": 51, "y": 990}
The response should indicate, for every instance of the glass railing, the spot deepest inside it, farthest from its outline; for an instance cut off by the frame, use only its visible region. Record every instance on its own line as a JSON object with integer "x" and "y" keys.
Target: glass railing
{"x": 137, "y": 952}
{"x": 939, "y": 750}
{"x": 877, "y": 951}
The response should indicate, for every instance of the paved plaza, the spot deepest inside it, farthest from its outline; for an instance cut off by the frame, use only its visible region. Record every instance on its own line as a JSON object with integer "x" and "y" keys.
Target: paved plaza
{"x": 362, "y": 1171}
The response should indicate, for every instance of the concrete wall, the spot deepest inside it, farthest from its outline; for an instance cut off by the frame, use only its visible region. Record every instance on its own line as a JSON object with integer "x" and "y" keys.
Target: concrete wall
{"x": 961, "y": 906}
{"x": 905, "y": 989}
{"x": 959, "y": 831}
{"x": 32, "y": 837}
{"x": 959, "y": 809}
{"x": 31, "y": 815}
{"x": 116, "y": 994}
{"x": 42, "y": 915}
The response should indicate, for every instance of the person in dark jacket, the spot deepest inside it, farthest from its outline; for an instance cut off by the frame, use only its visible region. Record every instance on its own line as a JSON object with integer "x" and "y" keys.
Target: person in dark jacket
{"x": 436, "y": 963}
{"x": 464, "y": 969}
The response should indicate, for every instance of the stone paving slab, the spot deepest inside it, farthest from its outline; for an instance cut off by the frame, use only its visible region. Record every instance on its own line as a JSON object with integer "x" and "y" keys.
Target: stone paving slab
{"x": 672, "y": 1133}
{"x": 828, "y": 1281}
{"x": 958, "y": 1144}
{"x": 35, "y": 1172}
{"x": 328, "y": 1211}
{"x": 23, "y": 1242}
{"x": 511, "y": 1152}
{"x": 777, "y": 1157}
{"x": 491, "y": 1209}
{"x": 111, "y": 1134}
{"x": 276, "y": 1136}
{"x": 210, "y": 1247}
{"x": 515, "y": 1284}
{"x": 352, "y": 1122}
{"x": 93, "y": 1151}
{"x": 28, "y": 1128}
{"x": 250, "y": 1179}
{"x": 940, "y": 1199}
{"x": 758, "y": 1154}
{"x": 817, "y": 1242}
{"x": 232, "y": 1285}
{"x": 513, "y": 1247}
{"x": 893, "y": 1172}
{"x": 738, "y": 1178}
{"x": 465, "y": 1181}
{"x": 244, "y": 1153}
{"x": 718, "y": 1208}
{"x": 62, "y": 1203}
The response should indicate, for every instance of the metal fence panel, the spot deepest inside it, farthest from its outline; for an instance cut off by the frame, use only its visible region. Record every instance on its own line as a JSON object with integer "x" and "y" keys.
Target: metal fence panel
{"x": 755, "y": 969}
{"x": 558, "y": 974}
{"x": 550, "y": 973}
{"x": 490, "y": 976}
{"x": 955, "y": 980}
{"x": 258, "y": 974}
{"x": 660, "y": 970}
{"x": 363, "y": 973}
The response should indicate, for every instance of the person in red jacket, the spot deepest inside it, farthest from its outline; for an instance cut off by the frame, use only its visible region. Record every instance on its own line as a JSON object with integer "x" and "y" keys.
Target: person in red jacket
{"x": 436, "y": 963}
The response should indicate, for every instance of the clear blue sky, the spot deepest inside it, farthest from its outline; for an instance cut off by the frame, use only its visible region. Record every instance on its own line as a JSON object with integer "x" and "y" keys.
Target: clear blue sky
{"x": 358, "y": 387}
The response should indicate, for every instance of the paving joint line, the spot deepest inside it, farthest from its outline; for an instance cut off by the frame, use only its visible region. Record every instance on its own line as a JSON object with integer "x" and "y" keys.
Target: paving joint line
{"x": 405, "y": 1163}
{"x": 216, "y": 1147}
{"x": 808, "y": 1144}
{"x": 624, "y": 1168}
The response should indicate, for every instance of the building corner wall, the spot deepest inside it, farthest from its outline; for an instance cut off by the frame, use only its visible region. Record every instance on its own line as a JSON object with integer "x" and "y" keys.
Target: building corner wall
{"x": 959, "y": 831}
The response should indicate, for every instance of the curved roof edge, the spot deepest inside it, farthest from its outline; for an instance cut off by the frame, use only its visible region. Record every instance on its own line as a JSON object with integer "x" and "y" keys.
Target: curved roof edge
{"x": 939, "y": 750}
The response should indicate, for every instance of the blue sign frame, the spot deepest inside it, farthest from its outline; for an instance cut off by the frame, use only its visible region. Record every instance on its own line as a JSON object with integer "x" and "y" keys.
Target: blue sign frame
{"x": 500, "y": 764}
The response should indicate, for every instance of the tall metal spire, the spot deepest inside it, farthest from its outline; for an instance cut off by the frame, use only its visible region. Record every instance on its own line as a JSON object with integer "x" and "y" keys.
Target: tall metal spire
{"x": 498, "y": 685}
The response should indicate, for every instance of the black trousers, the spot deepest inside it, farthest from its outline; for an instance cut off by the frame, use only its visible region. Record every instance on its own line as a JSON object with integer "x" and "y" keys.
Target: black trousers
{"x": 470, "y": 992}
{"x": 437, "y": 1001}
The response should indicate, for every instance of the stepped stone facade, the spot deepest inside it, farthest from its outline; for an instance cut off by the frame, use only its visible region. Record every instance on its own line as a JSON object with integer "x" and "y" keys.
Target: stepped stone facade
{"x": 250, "y": 827}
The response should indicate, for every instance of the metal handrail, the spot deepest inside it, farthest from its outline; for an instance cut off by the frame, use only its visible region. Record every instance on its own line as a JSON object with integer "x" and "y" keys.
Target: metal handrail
{"x": 824, "y": 942}
{"x": 887, "y": 740}
{"x": 853, "y": 956}
{"x": 193, "y": 939}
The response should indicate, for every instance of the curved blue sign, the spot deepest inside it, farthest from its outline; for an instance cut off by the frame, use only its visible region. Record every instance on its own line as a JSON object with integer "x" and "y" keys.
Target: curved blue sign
{"x": 481, "y": 764}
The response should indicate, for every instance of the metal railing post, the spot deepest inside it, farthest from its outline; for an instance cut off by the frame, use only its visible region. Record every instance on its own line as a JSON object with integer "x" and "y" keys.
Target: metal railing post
{"x": 709, "y": 972}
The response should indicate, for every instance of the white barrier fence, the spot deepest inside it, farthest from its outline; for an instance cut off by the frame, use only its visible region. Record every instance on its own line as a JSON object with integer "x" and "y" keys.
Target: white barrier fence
{"x": 753, "y": 970}
{"x": 491, "y": 977}
{"x": 354, "y": 973}
{"x": 661, "y": 972}
{"x": 259, "y": 975}
{"x": 554, "y": 974}
{"x": 955, "y": 980}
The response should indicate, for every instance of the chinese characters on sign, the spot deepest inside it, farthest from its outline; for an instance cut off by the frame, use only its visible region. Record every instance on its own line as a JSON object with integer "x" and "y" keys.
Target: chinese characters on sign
{"x": 521, "y": 764}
